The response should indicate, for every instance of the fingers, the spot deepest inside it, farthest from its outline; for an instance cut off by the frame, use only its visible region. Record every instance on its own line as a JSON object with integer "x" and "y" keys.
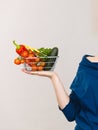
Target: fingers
{"x": 38, "y": 73}
{"x": 33, "y": 72}
{"x": 29, "y": 72}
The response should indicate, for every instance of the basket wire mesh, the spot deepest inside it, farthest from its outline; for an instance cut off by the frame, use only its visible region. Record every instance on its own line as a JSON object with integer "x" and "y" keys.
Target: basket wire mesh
{"x": 49, "y": 63}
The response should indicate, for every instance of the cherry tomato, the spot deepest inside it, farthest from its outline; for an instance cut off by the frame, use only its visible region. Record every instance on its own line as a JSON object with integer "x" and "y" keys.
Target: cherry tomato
{"x": 34, "y": 68}
{"x": 22, "y": 61}
{"x": 40, "y": 68}
{"x": 17, "y": 61}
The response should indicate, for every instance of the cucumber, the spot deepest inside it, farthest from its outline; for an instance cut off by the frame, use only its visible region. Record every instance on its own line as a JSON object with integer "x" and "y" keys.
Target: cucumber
{"x": 52, "y": 58}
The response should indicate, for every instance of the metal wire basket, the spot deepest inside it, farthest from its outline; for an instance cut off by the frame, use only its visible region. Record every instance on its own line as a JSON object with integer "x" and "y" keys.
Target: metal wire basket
{"x": 46, "y": 63}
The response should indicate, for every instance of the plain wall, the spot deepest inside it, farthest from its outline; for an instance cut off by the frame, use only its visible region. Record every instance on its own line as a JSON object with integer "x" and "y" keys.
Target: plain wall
{"x": 28, "y": 102}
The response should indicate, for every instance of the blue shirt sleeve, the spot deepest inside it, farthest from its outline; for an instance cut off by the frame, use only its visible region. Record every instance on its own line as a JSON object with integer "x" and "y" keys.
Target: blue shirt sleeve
{"x": 72, "y": 108}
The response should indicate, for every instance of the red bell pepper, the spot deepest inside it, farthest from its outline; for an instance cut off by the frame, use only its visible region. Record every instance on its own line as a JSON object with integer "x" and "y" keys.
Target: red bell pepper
{"x": 21, "y": 50}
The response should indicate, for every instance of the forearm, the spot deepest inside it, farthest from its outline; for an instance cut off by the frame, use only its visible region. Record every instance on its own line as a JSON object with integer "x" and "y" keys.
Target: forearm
{"x": 61, "y": 94}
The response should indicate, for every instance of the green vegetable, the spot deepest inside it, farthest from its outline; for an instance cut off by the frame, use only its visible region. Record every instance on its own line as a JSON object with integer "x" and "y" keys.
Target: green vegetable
{"x": 51, "y": 61}
{"x": 44, "y": 53}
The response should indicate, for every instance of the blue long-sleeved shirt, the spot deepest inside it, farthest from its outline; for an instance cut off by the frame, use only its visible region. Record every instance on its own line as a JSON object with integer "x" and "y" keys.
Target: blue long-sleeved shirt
{"x": 83, "y": 105}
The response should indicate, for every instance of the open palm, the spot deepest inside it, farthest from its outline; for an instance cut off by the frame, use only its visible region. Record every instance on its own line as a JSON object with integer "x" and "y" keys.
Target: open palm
{"x": 48, "y": 74}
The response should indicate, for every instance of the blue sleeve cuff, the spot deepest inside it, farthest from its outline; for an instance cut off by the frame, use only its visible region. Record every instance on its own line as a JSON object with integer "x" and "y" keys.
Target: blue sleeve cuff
{"x": 68, "y": 111}
{"x": 72, "y": 108}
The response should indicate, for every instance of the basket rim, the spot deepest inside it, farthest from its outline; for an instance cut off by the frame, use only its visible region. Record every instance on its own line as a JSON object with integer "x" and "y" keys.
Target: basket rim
{"x": 42, "y": 57}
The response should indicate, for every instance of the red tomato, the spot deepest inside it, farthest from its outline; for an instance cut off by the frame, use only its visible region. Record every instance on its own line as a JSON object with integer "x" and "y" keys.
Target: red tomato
{"x": 40, "y": 68}
{"x": 17, "y": 61}
{"x": 34, "y": 68}
{"x": 22, "y": 61}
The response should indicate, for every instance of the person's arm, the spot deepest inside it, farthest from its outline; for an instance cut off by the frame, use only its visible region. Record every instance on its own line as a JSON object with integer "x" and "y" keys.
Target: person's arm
{"x": 68, "y": 104}
{"x": 61, "y": 94}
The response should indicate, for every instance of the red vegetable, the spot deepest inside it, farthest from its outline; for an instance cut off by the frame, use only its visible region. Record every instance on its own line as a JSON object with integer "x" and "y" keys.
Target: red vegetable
{"x": 21, "y": 50}
{"x": 17, "y": 61}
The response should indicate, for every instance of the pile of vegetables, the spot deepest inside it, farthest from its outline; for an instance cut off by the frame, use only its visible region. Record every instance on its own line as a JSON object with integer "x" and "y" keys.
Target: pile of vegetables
{"x": 37, "y": 59}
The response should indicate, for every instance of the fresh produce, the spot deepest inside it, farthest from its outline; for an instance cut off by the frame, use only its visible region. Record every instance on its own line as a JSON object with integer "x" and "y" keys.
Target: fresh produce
{"x": 51, "y": 60}
{"x": 35, "y": 59}
{"x": 21, "y": 50}
{"x": 40, "y": 68}
{"x": 44, "y": 51}
{"x": 17, "y": 61}
{"x": 34, "y": 67}
{"x": 22, "y": 61}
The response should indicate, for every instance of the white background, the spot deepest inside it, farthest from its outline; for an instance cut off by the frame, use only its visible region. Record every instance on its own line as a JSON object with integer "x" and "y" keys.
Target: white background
{"x": 28, "y": 102}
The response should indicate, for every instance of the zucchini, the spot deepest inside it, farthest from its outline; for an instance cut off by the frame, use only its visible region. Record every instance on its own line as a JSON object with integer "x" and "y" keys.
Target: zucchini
{"x": 52, "y": 58}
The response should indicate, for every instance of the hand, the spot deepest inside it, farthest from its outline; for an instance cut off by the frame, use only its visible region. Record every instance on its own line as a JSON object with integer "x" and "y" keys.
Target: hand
{"x": 48, "y": 74}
